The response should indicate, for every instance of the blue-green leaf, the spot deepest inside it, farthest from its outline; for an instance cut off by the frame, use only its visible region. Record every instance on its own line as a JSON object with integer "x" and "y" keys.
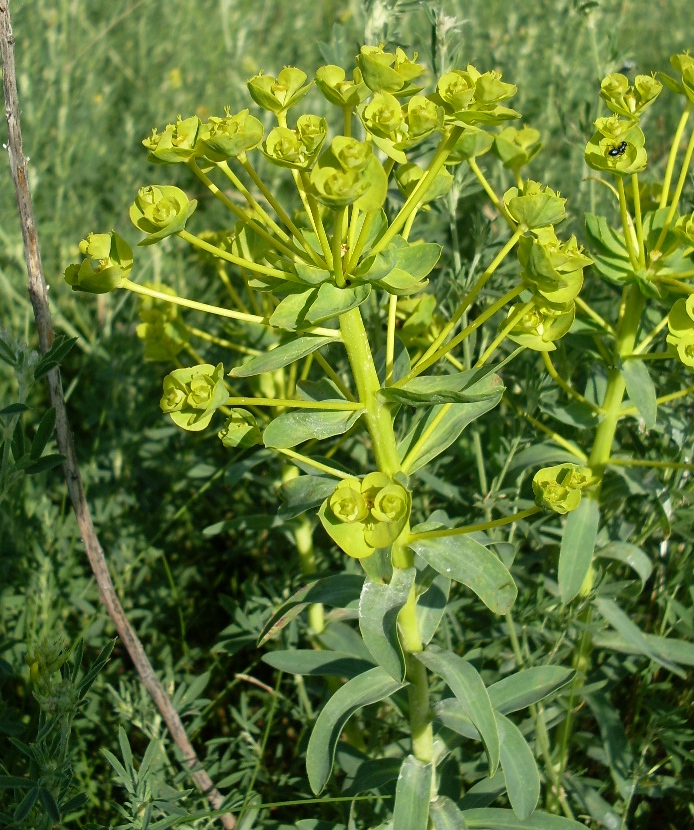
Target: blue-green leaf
{"x": 431, "y": 606}
{"x": 281, "y": 356}
{"x": 527, "y": 686}
{"x": 494, "y": 818}
{"x": 331, "y": 301}
{"x": 444, "y": 432}
{"x": 379, "y": 607}
{"x": 292, "y": 428}
{"x": 520, "y": 769}
{"x": 577, "y": 545}
{"x": 641, "y": 389}
{"x": 412, "y": 795}
{"x": 633, "y": 634}
{"x": 462, "y": 558}
{"x": 425, "y": 390}
{"x": 445, "y": 815}
{"x": 318, "y": 663}
{"x": 340, "y": 590}
{"x": 470, "y": 691}
{"x": 371, "y": 687}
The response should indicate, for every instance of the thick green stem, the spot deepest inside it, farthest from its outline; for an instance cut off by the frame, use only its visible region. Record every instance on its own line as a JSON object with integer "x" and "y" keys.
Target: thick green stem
{"x": 378, "y": 416}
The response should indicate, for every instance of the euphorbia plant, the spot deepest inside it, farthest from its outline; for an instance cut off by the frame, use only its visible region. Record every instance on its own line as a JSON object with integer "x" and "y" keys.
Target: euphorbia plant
{"x": 339, "y": 275}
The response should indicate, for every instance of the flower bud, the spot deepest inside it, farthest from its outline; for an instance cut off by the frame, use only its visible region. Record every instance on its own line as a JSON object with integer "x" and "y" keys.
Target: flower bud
{"x": 472, "y": 97}
{"x": 535, "y": 206}
{"x": 331, "y": 81}
{"x": 559, "y": 488}
{"x": 422, "y": 118}
{"x": 684, "y": 64}
{"x": 191, "y": 396}
{"x": 240, "y": 431}
{"x": 684, "y": 228}
{"x": 228, "y": 137}
{"x": 160, "y": 211}
{"x": 108, "y": 261}
{"x": 279, "y": 94}
{"x": 176, "y": 144}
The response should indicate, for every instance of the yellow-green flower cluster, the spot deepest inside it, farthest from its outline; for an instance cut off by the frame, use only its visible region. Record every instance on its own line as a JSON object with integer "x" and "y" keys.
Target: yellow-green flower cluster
{"x": 684, "y": 65}
{"x": 298, "y": 148}
{"x": 540, "y": 325}
{"x": 240, "y": 430}
{"x": 399, "y": 127}
{"x": 680, "y": 322}
{"x": 281, "y": 93}
{"x": 559, "y": 488}
{"x": 626, "y": 100}
{"x": 516, "y": 148}
{"x": 534, "y": 205}
{"x": 330, "y": 80}
{"x": 191, "y": 396}
{"x": 162, "y": 330}
{"x": 390, "y": 72}
{"x": 472, "y": 97}
{"x": 617, "y": 146}
{"x": 349, "y": 172}
{"x": 365, "y": 514}
{"x": 108, "y": 259}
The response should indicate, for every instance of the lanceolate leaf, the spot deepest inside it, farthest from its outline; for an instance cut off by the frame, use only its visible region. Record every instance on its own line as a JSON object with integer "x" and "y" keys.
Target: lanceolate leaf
{"x": 340, "y": 591}
{"x": 641, "y": 389}
{"x": 292, "y": 428}
{"x": 445, "y": 815}
{"x": 445, "y": 431}
{"x": 676, "y": 651}
{"x": 633, "y": 634}
{"x": 491, "y": 818}
{"x": 281, "y": 356}
{"x": 412, "y": 795}
{"x": 431, "y": 606}
{"x": 468, "y": 687}
{"x": 527, "y": 686}
{"x": 461, "y": 558}
{"x": 473, "y": 385}
{"x": 313, "y": 662}
{"x": 371, "y": 687}
{"x": 379, "y": 607}
{"x": 630, "y": 555}
{"x": 577, "y": 545}
{"x": 520, "y": 769}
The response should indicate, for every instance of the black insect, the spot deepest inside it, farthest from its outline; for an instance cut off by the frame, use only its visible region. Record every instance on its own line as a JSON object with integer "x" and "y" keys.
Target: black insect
{"x": 618, "y": 151}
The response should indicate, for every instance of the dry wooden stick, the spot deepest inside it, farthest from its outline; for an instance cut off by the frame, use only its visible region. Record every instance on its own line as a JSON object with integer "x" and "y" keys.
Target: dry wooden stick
{"x": 38, "y": 294}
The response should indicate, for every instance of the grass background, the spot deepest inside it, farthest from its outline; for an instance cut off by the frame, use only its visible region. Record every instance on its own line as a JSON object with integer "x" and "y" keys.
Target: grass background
{"x": 94, "y": 77}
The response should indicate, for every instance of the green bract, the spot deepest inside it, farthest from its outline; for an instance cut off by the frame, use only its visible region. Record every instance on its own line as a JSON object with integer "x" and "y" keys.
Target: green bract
{"x": 281, "y": 93}
{"x": 681, "y": 325}
{"x": 176, "y": 144}
{"x": 551, "y": 269}
{"x": 387, "y": 71}
{"x": 559, "y": 488}
{"x": 541, "y": 325}
{"x": 515, "y": 147}
{"x": 108, "y": 261}
{"x": 535, "y": 206}
{"x": 228, "y": 137}
{"x": 192, "y": 395}
{"x": 626, "y": 100}
{"x": 363, "y": 515}
{"x": 240, "y": 431}
{"x": 299, "y": 148}
{"x": 331, "y": 81}
{"x": 472, "y": 143}
{"x": 159, "y": 211}
{"x": 161, "y": 328}
{"x": 617, "y": 146}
